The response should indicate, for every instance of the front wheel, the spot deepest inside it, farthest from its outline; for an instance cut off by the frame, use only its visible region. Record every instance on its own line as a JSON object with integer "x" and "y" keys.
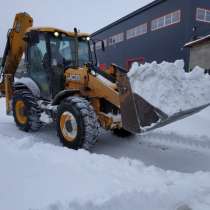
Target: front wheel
{"x": 77, "y": 123}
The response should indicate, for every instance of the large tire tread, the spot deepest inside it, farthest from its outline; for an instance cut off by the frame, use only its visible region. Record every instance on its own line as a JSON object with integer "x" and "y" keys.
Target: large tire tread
{"x": 86, "y": 119}
{"x": 33, "y": 110}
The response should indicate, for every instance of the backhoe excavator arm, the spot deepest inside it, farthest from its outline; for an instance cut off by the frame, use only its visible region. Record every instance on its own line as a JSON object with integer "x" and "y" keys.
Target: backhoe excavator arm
{"x": 15, "y": 47}
{"x": 13, "y": 52}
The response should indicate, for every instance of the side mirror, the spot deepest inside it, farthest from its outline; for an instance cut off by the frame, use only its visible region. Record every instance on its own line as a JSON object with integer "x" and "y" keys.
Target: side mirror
{"x": 102, "y": 45}
{"x": 75, "y": 31}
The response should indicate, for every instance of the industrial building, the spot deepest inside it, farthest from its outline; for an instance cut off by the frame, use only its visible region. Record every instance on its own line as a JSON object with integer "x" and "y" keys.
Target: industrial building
{"x": 155, "y": 32}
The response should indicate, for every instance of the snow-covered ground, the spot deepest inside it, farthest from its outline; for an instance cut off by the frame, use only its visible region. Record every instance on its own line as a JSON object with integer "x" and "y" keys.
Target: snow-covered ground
{"x": 167, "y": 169}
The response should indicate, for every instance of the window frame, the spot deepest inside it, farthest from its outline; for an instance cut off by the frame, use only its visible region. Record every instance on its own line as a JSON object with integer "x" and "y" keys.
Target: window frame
{"x": 88, "y": 48}
{"x": 164, "y": 16}
{"x": 98, "y": 45}
{"x": 105, "y": 42}
{"x": 196, "y": 15}
{"x": 135, "y": 28}
{"x": 118, "y": 41}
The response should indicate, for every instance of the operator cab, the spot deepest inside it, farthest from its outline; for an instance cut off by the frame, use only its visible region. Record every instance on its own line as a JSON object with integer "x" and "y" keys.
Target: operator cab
{"x": 50, "y": 52}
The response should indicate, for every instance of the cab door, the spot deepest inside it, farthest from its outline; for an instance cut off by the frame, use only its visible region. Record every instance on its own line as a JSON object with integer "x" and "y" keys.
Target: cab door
{"x": 38, "y": 67}
{"x": 60, "y": 58}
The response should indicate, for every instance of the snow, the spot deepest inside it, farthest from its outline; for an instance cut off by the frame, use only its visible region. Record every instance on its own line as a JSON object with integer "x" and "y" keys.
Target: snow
{"x": 167, "y": 169}
{"x": 45, "y": 118}
{"x": 30, "y": 84}
{"x": 39, "y": 174}
{"x": 168, "y": 87}
{"x": 45, "y": 176}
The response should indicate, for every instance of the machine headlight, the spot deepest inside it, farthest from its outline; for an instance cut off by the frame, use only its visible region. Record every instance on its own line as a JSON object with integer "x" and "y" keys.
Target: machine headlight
{"x": 56, "y": 34}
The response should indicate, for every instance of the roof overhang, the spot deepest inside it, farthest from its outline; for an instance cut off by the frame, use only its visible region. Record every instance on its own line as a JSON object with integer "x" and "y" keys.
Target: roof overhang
{"x": 136, "y": 12}
{"x": 198, "y": 41}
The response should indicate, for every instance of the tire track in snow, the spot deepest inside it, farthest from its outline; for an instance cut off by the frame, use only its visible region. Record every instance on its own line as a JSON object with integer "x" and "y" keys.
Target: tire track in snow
{"x": 201, "y": 144}
{"x": 47, "y": 135}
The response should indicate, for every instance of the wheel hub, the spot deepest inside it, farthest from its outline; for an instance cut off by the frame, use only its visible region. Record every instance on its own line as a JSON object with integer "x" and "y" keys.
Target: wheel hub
{"x": 68, "y": 125}
{"x": 20, "y": 112}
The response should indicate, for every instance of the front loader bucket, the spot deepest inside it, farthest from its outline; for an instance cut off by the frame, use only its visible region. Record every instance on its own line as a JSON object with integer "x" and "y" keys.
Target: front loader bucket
{"x": 177, "y": 116}
{"x": 140, "y": 116}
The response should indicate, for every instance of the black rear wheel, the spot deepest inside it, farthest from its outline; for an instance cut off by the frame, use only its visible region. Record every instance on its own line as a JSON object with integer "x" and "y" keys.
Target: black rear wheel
{"x": 77, "y": 123}
{"x": 26, "y": 111}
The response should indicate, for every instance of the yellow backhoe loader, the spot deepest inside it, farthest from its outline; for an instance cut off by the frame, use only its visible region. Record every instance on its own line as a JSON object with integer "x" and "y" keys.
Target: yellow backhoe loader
{"x": 61, "y": 83}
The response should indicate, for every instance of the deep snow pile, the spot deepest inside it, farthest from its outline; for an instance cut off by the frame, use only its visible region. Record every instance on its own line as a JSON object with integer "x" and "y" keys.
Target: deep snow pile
{"x": 168, "y": 87}
{"x": 36, "y": 174}
{"x": 45, "y": 176}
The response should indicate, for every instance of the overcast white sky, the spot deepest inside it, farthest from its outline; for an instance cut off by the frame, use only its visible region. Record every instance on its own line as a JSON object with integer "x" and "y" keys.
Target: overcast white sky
{"x": 87, "y": 15}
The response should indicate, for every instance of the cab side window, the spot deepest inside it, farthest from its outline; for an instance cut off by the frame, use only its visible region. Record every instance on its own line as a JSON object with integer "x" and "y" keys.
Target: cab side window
{"x": 36, "y": 55}
{"x": 38, "y": 72}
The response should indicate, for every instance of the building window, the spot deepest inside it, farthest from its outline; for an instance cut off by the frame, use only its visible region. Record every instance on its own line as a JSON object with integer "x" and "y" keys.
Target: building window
{"x": 167, "y": 20}
{"x": 116, "y": 39}
{"x": 98, "y": 45}
{"x": 136, "y": 31}
{"x": 105, "y": 43}
{"x": 203, "y": 15}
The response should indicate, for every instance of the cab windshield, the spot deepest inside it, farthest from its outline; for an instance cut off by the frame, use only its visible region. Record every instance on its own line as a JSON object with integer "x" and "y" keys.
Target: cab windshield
{"x": 63, "y": 51}
{"x": 84, "y": 51}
